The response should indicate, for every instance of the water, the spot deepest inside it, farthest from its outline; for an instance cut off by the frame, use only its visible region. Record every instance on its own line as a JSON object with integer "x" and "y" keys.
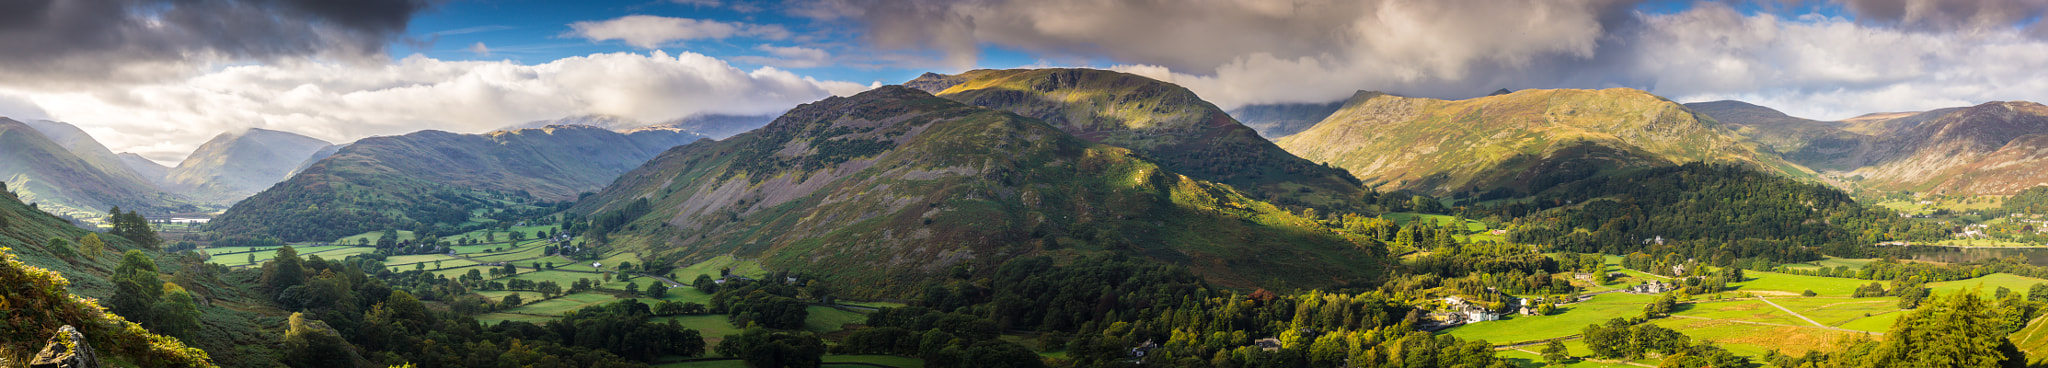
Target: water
{"x": 2034, "y": 256}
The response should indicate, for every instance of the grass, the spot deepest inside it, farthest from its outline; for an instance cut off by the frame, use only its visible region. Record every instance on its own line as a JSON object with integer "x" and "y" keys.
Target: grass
{"x": 1565, "y": 323}
{"x": 328, "y": 252}
{"x": 1772, "y": 283}
{"x": 373, "y": 237}
{"x": 713, "y": 327}
{"x": 1742, "y": 310}
{"x": 1755, "y": 340}
{"x": 1525, "y": 359}
{"x": 2033, "y": 339}
{"x": 559, "y": 305}
{"x": 829, "y": 361}
{"x": 748, "y": 268}
{"x": 1841, "y": 312}
{"x": 828, "y": 319}
{"x": 1989, "y": 284}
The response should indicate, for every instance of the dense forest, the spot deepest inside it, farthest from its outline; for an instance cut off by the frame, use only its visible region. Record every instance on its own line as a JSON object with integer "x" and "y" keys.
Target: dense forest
{"x": 1715, "y": 213}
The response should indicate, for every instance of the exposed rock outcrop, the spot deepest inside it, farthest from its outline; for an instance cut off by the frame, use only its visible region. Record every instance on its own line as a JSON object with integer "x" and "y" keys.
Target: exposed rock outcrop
{"x": 67, "y": 349}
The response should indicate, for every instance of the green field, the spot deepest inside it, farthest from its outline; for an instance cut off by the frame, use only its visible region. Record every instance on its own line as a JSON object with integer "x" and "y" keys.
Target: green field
{"x": 1755, "y": 340}
{"x": 373, "y": 237}
{"x": 1740, "y": 310}
{"x": 242, "y": 259}
{"x": 748, "y": 268}
{"x": 500, "y": 236}
{"x": 1527, "y": 359}
{"x": 829, "y": 360}
{"x": 1844, "y": 312}
{"x": 609, "y": 263}
{"x": 1565, "y": 323}
{"x": 1773, "y": 283}
{"x": 1989, "y": 284}
{"x": 828, "y": 319}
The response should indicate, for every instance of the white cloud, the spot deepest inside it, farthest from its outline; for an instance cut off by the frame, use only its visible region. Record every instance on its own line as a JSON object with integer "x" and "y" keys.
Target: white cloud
{"x": 20, "y": 109}
{"x": 648, "y": 31}
{"x": 345, "y": 102}
{"x": 789, "y": 57}
{"x": 479, "y": 49}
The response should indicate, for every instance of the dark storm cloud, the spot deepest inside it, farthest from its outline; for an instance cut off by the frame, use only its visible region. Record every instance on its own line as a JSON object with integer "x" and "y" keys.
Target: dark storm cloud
{"x": 60, "y": 42}
{"x": 1947, "y": 15}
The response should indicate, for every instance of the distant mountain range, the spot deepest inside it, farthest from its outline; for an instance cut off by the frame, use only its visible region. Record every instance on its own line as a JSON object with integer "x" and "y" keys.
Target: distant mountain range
{"x": 712, "y": 126}
{"x": 1518, "y": 142}
{"x": 1994, "y": 148}
{"x": 1280, "y": 120}
{"x": 74, "y": 175}
{"x": 895, "y": 185}
{"x": 434, "y": 177}
{"x": 235, "y": 165}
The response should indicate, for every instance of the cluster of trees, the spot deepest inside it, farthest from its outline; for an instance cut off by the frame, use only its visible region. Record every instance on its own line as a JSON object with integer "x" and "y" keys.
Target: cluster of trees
{"x": 1511, "y": 267}
{"x": 603, "y": 224}
{"x": 1959, "y": 330}
{"x": 1715, "y": 213}
{"x": 1419, "y": 235}
{"x": 767, "y": 304}
{"x": 360, "y": 302}
{"x": 2033, "y": 201}
{"x": 1627, "y": 339}
{"x": 1692, "y": 277}
{"x": 1102, "y": 307}
{"x": 941, "y": 339}
{"x": 143, "y": 297}
{"x": 133, "y": 227}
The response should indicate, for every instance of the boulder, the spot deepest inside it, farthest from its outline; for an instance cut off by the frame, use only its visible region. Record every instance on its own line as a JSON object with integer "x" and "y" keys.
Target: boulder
{"x": 66, "y": 350}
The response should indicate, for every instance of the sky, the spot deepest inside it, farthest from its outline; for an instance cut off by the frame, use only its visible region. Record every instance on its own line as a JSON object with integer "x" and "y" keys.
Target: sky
{"x": 160, "y": 77}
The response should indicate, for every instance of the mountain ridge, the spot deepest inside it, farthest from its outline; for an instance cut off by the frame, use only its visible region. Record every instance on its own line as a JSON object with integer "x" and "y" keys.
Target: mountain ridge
{"x": 899, "y": 180}
{"x": 1522, "y": 141}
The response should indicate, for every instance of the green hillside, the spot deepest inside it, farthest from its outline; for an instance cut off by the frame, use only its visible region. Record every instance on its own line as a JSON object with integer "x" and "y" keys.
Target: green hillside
{"x": 433, "y": 177}
{"x": 1162, "y": 122}
{"x": 1523, "y": 141}
{"x": 887, "y": 189}
{"x": 44, "y": 285}
{"x": 55, "y": 179}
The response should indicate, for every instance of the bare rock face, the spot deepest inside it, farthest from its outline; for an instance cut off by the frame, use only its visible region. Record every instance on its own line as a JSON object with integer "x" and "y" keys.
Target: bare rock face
{"x": 66, "y": 350}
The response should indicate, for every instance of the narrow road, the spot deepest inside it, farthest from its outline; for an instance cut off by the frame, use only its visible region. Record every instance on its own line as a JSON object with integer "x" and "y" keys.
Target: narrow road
{"x": 1775, "y": 324}
{"x": 1794, "y": 314}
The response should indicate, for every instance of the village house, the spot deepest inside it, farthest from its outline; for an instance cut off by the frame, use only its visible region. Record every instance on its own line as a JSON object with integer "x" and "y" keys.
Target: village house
{"x": 1652, "y": 287}
{"x": 1267, "y": 344}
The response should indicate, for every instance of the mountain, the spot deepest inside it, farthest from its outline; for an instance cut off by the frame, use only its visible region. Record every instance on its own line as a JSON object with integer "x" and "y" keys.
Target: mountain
{"x": 1522, "y": 141}
{"x": 154, "y": 172}
{"x": 1163, "y": 122}
{"x": 235, "y": 165}
{"x": 714, "y": 126}
{"x": 892, "y": 187}
{"x": 86, "y": 148}
{"x": 1990, "y": 148}
{"x": 1828, "y": 145}
{"x": 435, "y": 177}
{"x": 46, "y": 174}
{"x": 322, "y": 154}
{"x": 1279, "y": 120}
